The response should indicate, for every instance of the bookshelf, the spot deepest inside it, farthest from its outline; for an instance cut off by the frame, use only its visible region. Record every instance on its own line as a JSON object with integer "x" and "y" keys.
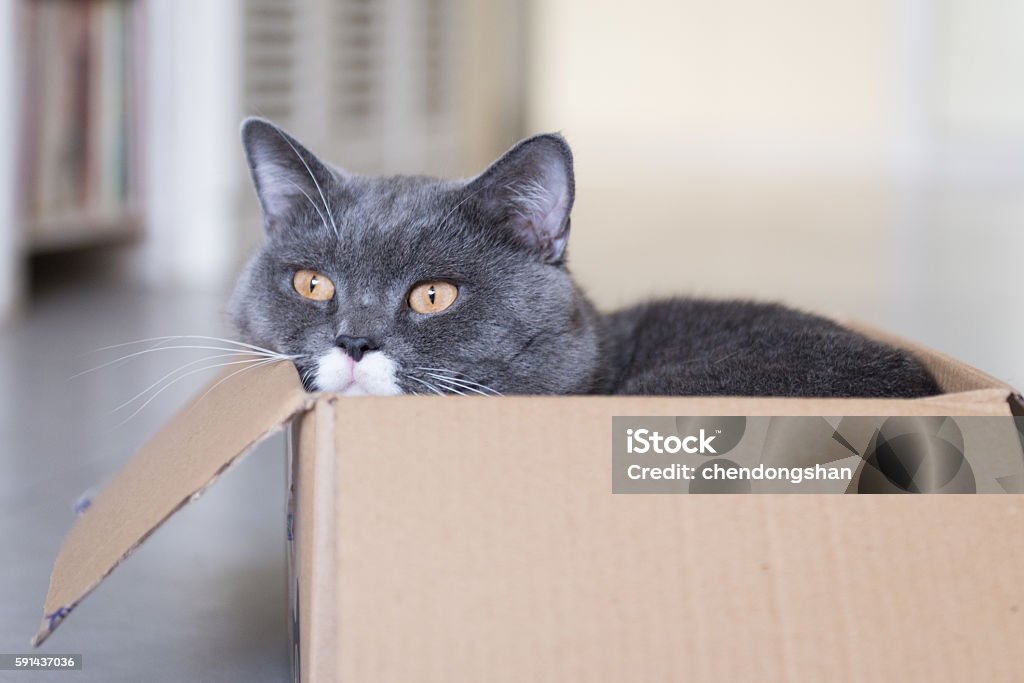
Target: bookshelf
{"x": 10, "y": 262}
{"x": 123, "y": 125}
{"x": 78, "y": 141}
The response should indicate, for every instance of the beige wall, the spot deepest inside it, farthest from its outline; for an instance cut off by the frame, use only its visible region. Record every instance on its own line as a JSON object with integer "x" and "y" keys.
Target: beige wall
{"x": 856, "y": 157}
{"x": 722, "y": 148}
{"x": 683, "y": 84}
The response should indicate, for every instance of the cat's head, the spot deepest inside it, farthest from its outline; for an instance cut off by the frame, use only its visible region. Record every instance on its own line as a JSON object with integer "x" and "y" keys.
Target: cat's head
{"x": 400, "y": 284}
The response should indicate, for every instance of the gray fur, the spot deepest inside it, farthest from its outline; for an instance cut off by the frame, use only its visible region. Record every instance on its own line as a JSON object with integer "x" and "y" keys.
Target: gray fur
{"x": 520, "y": 325}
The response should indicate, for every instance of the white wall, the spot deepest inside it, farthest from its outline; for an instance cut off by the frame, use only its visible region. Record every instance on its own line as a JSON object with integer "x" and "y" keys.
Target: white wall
{"x": 982, "y": 52}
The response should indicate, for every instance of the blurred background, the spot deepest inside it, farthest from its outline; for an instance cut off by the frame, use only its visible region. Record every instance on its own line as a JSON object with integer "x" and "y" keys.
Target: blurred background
{"x": 861, "y": 158}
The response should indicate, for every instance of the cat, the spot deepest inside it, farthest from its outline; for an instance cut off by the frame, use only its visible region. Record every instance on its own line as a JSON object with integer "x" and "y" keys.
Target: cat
{"x": 416, "y": 285}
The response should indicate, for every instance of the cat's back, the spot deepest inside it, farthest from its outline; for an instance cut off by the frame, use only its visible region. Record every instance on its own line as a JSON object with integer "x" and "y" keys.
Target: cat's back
{"x": 707, "y": 347}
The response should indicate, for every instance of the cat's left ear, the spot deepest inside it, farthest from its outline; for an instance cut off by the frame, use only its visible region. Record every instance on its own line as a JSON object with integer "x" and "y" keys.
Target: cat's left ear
{"x": 287, "y": 176}
{"x": 530, "y": 191}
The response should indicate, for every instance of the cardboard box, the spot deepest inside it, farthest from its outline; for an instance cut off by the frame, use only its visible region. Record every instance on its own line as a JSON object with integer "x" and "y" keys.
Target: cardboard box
{"x": 476, "y": 539}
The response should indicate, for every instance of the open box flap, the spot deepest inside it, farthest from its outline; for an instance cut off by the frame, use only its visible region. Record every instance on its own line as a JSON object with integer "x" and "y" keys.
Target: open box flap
{"x": 225, "y": 421}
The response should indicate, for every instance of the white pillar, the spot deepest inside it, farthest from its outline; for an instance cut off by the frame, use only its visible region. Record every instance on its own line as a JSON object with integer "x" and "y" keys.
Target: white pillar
{"x": 191, "y": 142}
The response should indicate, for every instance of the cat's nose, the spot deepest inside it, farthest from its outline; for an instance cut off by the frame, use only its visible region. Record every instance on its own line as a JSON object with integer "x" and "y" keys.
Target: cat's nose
{"x": 355, "y": 346}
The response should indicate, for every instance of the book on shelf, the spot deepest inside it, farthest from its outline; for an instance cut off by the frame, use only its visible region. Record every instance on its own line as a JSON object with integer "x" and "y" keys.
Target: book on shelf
{"x": 79, "y": 145}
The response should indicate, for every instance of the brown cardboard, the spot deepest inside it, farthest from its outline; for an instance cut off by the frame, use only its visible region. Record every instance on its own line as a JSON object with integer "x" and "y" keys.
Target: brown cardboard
{"x": 175, "y": 466}
{"x": 457, "y": 553}
{"x": 478, "y": 539}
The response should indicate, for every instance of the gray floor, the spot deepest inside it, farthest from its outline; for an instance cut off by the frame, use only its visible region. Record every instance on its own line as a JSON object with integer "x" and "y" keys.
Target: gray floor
{"x": 205, "y": 598}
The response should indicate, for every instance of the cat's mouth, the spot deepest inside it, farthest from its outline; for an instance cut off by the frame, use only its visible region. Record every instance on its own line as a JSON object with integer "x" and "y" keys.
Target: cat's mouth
{"x": 372, "y": 375}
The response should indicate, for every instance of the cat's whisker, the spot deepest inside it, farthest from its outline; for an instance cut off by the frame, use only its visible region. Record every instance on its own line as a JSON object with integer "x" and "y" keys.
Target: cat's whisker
{"x": 312, "y": 177}
{"x": 468, "y": 384}
{"x": 453, "y": 373}
{"x": 428, "y": 385}
{"x": 123, "y": 360}
{"x": 250, "y": 363}
{"x": 258, "y": 364}
{"x": 483, "y": 387}
{"x": 447, "y": 385}
{"x": 459, "y": 383}
{"x": 274, "y": 356}
{"x": 170, "y": 374}
{"x": 173, "y": 337}
{"x": 451, "y": 389}
{"x": 461, "y": 377}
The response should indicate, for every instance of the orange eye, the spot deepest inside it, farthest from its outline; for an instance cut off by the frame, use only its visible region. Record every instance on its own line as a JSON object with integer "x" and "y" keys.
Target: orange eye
{"x": 432, "y": 297}
{"x": 313, "y": 285}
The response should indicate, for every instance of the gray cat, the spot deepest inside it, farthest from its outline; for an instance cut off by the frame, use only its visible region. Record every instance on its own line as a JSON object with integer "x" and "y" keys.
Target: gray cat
{"x": 414, "y": 285}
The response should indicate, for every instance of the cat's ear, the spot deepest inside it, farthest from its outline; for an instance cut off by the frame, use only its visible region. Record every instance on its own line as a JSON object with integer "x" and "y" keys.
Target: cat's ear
{"x": 287, "y": 176}
{"x": 530, "y": 191}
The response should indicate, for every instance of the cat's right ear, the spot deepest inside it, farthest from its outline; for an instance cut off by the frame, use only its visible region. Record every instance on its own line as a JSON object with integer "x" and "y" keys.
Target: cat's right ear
{"x": 529, "y": 191}
{"x": 287, "y": 176}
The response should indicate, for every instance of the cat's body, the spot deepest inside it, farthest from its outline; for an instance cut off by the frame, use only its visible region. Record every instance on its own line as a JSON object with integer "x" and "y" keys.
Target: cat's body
{"x": 700, "y": 347}
{"x": 416, "y": 285}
